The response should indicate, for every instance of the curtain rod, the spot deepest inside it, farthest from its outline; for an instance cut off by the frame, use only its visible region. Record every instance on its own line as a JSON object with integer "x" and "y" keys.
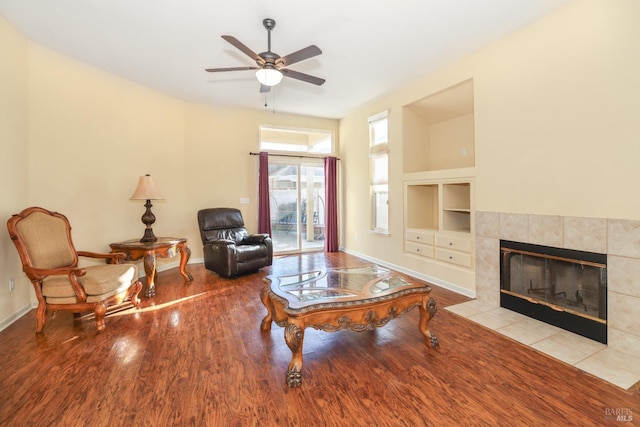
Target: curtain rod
{"x": 292, "y": 155}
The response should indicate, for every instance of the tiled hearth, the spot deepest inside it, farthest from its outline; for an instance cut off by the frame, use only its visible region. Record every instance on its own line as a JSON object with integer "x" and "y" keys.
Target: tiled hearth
{"x": 617, "y": 362}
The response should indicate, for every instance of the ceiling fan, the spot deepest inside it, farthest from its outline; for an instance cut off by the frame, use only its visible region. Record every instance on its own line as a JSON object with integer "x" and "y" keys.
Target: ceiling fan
{"x": 271, "y": 67}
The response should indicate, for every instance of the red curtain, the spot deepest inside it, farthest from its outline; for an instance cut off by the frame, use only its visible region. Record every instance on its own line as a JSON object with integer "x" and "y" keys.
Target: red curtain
{"x": 331, "y": 197}
{"x": 264, "y": 211}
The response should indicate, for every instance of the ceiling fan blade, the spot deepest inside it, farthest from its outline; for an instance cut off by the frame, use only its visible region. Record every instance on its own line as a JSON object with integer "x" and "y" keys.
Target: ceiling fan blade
{"x": 239, "y": 45}
{"x": 300, "y": 55}
{"x": 301, "y": 76}
{"x": 215, "y": 70}
{"x": 265, "y": 88}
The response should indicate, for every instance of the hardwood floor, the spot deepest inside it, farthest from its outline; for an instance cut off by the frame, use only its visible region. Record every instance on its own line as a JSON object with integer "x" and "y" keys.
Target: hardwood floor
{"x": 194, "y": 355}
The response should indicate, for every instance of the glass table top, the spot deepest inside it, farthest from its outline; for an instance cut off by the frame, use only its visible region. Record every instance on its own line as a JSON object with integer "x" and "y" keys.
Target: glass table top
{"x": 347, "y": 284}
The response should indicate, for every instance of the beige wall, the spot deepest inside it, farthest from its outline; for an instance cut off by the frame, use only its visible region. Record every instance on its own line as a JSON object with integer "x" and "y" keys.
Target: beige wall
{"x": 77, "y": 138}
{"x": 556, "y": 125}
{"x": 13, "y": 165}
{"x": 91, "y": 135}
{"x": 448, "y": 140}
{"x": 557, "y": 105}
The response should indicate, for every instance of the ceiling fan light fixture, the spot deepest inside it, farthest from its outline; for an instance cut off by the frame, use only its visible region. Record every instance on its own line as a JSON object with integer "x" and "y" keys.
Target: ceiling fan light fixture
{"x": 269, "y": 76}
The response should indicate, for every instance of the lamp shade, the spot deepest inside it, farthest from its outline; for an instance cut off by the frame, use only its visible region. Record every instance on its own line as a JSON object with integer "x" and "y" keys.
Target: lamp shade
{"x": 147, "y": 189}
{"x": 269, "y": 76}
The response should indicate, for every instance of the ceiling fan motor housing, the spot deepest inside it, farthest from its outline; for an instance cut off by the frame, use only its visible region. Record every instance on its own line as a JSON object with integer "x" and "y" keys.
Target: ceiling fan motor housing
{"x": 272, "y": 61}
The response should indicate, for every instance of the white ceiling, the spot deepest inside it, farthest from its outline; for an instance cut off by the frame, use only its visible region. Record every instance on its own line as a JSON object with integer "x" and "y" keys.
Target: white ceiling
{"x": 369, "y": 47}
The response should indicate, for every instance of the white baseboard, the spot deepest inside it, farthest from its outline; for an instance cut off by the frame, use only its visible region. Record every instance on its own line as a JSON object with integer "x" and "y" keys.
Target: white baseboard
{"x": 439, "y": 282}
{"x": 15, "y": 316}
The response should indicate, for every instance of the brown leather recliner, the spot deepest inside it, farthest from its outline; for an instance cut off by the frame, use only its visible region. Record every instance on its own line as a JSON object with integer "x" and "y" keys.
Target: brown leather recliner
{"x": 229, "y": 249}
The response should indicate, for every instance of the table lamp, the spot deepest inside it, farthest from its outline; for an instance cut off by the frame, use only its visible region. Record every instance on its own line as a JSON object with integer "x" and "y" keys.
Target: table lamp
{"x": 147, "y": 190}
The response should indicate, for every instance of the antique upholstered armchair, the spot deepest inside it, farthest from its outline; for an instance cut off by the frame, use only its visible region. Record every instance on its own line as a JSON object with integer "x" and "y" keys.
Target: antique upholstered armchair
{"x": 229, "y": 249}
{"x": 49, "y": 259}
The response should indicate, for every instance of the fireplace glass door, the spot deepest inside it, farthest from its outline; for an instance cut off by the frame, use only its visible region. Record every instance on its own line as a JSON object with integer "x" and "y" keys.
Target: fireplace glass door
{"x": 563, "y": 284}
{"x": 563, "y": 287}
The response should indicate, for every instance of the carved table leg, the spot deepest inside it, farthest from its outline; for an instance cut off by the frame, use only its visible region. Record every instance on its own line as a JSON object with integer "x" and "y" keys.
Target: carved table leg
{"x": 266, "y": 300}
{"x": 428, "y": 309}
{"x": 294, "y": 336}
{"x": 185, "y": 254}
{"x": 150, "y": 271}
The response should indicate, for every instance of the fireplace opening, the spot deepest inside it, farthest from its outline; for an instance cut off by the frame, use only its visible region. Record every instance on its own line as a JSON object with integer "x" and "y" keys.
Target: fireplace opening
{"x": 562, "y": 287}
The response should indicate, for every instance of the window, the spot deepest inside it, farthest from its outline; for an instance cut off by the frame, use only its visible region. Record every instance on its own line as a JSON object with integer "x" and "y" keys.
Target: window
{"x": 379, "y": 172}
{"x": 279, "y": 139}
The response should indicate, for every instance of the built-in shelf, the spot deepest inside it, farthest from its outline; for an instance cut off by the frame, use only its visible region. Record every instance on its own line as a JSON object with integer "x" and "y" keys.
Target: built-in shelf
{"x": 438, "y": 130}
{"x": 456, "y": 200}
{"x": 440, "y": 206}
{"x": 422, "y": 206}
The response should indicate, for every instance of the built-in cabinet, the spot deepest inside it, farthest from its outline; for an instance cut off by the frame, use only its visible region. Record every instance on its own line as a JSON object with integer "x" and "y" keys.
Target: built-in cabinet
{"x": 438, "y": 162}
{"x": 438, "y": 221}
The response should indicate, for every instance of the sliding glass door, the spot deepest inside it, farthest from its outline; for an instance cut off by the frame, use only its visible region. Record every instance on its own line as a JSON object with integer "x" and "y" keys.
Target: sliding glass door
{"x": 296, "y": 186}
{"x": 297, "y": 204}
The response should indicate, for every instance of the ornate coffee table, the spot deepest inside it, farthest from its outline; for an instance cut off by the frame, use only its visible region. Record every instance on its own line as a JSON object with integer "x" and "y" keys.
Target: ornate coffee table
{"x": 358, "y": 299}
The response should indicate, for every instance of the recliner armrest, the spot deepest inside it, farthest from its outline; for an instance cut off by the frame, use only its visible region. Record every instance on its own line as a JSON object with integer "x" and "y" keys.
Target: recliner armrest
{"x": 255, "y": 238}
{"x": 221, "y": 242}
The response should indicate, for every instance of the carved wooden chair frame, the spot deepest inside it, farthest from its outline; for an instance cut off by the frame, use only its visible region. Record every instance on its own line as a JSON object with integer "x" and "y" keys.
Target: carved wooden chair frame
{"x": 72, "y": 271}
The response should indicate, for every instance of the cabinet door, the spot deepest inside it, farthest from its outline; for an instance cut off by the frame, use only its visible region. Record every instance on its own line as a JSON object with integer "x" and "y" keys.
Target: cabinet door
{"x": 418, "y": 249}
{"x": 420, "y": 236}
{"x": 453, "y": 242}
{"x": 453, "y": 257}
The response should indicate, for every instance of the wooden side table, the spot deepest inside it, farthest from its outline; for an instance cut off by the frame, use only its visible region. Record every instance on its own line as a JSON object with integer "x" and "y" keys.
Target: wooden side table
{"x": 164, "y": 247}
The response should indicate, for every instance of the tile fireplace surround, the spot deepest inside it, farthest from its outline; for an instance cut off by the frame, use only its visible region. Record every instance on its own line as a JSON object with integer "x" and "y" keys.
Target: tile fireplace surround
{"x": 619, "y": 239}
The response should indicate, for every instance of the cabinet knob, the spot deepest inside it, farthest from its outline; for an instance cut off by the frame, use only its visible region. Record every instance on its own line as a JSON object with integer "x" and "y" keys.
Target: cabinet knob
{"x": 417, "y": 237}
{"x": 418, "y": 250}
{"x": 450, "y": 257}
